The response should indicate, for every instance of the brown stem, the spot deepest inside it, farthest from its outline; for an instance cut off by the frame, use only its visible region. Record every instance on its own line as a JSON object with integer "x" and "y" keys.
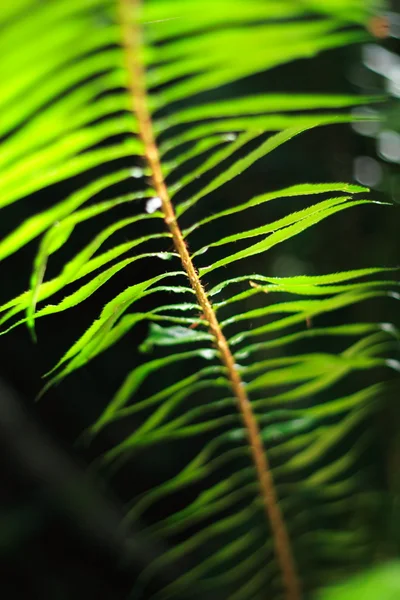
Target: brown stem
{"x": 131, "y": 37}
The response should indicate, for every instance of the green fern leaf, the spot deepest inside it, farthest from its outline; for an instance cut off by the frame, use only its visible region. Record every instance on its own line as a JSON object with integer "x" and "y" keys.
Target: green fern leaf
{"x": 111, "y": 82}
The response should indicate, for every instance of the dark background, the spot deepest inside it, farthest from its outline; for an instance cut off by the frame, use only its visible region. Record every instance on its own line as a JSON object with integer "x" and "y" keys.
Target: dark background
{"x": 53, "y": 548}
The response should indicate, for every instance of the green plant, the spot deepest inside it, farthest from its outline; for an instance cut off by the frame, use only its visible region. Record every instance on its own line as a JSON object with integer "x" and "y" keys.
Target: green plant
{"x": 380, "y": 582}
{"x": 111, "y": 79}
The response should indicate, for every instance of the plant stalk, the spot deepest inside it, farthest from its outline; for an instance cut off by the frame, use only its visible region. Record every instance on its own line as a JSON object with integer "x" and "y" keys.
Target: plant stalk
{"x": 129, "y": 11}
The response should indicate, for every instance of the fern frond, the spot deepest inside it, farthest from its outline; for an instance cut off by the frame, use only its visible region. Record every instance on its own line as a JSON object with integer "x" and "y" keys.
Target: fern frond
{"x": 117, "y": 86}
